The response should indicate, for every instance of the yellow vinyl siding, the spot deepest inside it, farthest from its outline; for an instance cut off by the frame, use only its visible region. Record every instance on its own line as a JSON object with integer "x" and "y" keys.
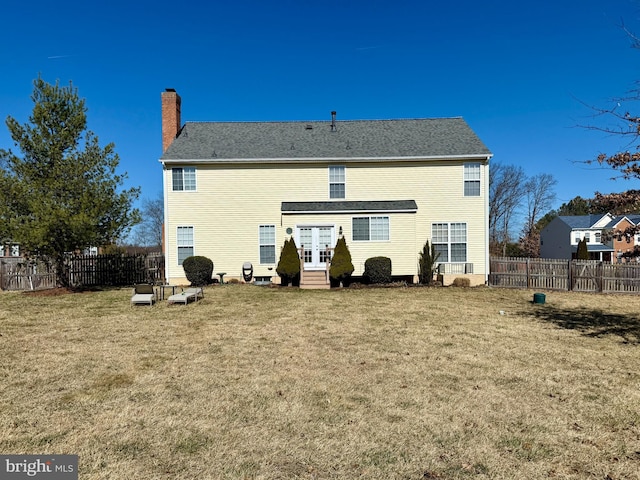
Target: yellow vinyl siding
{"x": 400, "y": 247}
{"x": 231, "y": 201}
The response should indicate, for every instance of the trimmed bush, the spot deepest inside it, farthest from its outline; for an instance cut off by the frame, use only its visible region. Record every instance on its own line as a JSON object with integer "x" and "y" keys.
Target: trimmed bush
{"x": 198, "y": 270}
{"x": 289, "y": 264}
{"x": 461, "y": 282}
{"x": 341, "y": 266}
{"x": 377, "y": 270}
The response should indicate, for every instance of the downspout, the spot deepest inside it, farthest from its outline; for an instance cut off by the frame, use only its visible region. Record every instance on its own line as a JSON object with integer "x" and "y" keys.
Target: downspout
{"x": 165, "y": 229}
{"x": 486, "y": 222}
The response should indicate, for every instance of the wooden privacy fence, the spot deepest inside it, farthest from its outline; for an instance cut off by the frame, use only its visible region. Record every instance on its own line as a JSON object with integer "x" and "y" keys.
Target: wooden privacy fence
{"x": 83, "y": 271}
{"x": 576, "y": 275}
{"x": 17, "y": 273}
{"x": 114, "y": 270}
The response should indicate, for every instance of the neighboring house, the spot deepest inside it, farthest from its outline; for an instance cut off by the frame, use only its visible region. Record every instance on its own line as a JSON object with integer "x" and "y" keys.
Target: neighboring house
{"x": 234, "y": 191}
{"x": 9, "y": 249}
{"x": 623, "y": 244}
{"x": 559, "y": 239}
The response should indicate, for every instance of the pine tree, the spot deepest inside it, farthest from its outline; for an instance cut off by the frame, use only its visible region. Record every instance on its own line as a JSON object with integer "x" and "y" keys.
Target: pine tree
{"x": 341, "y": 265}
{"x": 289, "y": 264}
{"x": 427, "y": 263}
{"x": 62, "y": 193}
{"x": 583, "y": 251}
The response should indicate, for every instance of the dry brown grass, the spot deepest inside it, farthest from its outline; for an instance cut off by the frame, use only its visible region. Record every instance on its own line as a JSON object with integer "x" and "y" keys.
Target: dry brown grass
{"x": 251, "y": 382}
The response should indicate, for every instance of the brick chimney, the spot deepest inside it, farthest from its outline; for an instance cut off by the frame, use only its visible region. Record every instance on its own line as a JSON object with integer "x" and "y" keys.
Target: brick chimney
{"x": 171, "y": 103}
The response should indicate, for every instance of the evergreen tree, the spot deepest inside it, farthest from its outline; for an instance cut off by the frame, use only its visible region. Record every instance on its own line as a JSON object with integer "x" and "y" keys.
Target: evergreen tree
{"x": 583, "y": 251}
{"x": 289, "y": 264}
{"x": 341, "y": 265}
{"x": 427, "y": 263}
{"x": 62, "y": 193}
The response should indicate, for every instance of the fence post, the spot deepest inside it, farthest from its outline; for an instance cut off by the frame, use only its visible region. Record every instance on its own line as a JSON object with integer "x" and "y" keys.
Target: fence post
{"x": 599, "y": 276}
{"x": 528, "y": 275}
{"x": 570, "y": 276}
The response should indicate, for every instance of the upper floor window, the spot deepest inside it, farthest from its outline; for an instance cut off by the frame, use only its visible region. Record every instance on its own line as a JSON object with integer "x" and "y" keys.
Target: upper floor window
{"x": 336, "y": 181}
{"x": 598, "y": 237}
{"x": 587, "y": 237}
{"x": 184, "y": 178}
{"x": 471, "y": 179}
{"x": 370, "y": 229}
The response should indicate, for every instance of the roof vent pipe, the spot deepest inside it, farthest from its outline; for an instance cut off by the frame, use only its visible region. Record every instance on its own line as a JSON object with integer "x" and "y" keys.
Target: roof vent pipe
{"x": 333, "y": 121}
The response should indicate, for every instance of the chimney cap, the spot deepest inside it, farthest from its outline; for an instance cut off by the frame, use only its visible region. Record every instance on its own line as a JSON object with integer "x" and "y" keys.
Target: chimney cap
{"x": 170, "y": 90}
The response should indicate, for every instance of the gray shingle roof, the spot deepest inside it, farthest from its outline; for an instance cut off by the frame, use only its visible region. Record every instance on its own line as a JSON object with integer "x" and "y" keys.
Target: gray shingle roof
{"x": 220, "y": 141}
{"x": 346, "y": 206}
{"x": 581, "y": 221}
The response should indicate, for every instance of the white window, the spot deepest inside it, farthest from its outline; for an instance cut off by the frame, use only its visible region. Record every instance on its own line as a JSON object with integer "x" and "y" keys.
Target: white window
{"x": 450, "y": 241}
{"x": 375, "y": 229}
{"x": 185, "y": 243}
{"x": 336, "y": 181}
{"x": 598, "y": 237}
{"x": 183, "y": 178}
{"x": 471, "y": 179}
{"x": 587, "y": 237}
{"x": 14, "y": 250}
{"x": 267, "y": 241}
{"x": 576, "y": 238}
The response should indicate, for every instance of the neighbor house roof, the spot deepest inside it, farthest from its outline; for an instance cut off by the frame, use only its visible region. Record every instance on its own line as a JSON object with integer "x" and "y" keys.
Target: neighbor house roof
{"x": 581, "y": 221}
{"x": 345, "y": 206}
{"x": 353, "y": 139}
{"x": 632, "y": 218}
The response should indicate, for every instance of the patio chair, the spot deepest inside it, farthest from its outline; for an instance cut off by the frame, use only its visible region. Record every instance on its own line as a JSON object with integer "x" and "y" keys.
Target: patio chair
{"x": 143, "y": 294}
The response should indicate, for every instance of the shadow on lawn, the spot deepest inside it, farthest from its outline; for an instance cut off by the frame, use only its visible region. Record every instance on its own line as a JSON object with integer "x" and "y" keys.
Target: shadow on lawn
{"x": 591, "y": 322}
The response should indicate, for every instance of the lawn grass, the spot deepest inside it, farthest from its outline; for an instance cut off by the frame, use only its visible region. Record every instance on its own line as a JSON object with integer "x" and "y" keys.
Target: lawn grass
{"x": 281, "y": 383}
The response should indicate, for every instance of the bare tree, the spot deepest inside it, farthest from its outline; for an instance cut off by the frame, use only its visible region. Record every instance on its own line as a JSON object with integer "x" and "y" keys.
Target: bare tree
{"x": 149, "y": 232}
{"x": 540, "y": 195}
{"x": 505, "y": 198}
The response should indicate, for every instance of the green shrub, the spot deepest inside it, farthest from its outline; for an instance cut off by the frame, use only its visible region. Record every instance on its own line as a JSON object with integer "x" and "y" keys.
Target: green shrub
{"x": 461, "y": 282}
{"x": 198, "y": 270}
{"x": 377, "y": 270}
{"x": 341, "y": 266}
{"x": 427, "y": 264}
{"x": 289, "y": 264}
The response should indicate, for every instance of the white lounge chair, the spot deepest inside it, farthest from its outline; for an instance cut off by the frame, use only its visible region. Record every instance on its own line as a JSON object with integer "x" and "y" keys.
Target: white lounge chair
{"x": 188, "y": 294}
{"x": 143, "y": 294}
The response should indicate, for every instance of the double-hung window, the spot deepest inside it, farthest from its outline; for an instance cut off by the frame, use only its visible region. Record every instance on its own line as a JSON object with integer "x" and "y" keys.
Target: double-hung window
{"x": 471, "y": 179}
{"x": 185, "y": 243}
{"x": 450, "y": 241}
{"x": 336, "y": 181}
{"x": 375, "y": 229}
{"x": 183, "y": 178}
{"x": 267, "y": 241}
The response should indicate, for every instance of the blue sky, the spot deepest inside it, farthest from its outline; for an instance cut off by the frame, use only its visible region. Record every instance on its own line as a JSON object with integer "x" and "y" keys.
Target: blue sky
{"x": 518, "y": 72}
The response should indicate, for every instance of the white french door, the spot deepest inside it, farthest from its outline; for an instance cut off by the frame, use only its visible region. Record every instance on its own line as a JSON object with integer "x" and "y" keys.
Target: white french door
{"x": 314, "y": 240}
